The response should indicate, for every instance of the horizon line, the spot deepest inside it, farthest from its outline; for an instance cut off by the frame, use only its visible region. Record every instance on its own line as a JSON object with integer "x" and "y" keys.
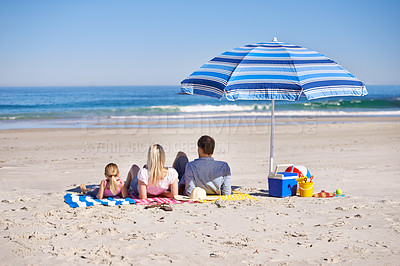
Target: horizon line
{"x": 167, "y": 85}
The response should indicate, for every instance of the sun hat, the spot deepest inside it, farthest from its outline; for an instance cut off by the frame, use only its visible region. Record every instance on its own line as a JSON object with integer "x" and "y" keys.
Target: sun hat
{"x": 197, "y": 194}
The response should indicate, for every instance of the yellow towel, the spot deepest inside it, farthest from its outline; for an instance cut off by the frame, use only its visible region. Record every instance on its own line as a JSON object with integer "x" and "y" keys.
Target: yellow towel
{"x": 235, "y": 196}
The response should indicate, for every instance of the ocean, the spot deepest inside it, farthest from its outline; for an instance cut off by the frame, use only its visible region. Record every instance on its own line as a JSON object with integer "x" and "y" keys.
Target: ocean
{"x": 72, "y": 107}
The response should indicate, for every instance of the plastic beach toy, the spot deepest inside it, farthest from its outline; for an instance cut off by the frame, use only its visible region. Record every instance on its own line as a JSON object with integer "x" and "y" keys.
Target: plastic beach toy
{"x": 302, "y": 171}
{"x": 306, "y": 189}
{"x": 340, "y": 195}
{"x": 324, "y": 194}
{"x": 302, "y": 179}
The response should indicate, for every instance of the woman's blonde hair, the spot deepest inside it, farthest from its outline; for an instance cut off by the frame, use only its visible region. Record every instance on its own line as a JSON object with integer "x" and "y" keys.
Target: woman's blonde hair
{"x": 112, "y": 172}
{"x": 155, "y": 163}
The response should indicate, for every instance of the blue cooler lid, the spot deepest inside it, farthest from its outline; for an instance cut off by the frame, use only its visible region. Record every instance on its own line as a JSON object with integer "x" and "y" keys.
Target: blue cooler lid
{"x": 288, "y": 174}
{"x": 283, "y": 175}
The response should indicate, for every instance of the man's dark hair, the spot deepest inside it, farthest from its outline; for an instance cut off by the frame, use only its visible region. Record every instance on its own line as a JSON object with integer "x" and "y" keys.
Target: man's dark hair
{"x": 207, "y": 144}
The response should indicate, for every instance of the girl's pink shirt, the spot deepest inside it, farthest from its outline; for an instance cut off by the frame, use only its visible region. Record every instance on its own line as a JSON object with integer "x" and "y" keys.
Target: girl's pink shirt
{"x": 107, "y": 191}
{"x": 162, "y": 186}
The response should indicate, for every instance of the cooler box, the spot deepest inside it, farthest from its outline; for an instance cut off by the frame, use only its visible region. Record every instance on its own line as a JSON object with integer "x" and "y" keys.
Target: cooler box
{"x": 282, "y": 184}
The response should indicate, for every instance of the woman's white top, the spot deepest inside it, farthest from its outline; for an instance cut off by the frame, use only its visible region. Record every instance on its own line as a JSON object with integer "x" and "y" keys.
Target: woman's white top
{"x": 163, "y": 185}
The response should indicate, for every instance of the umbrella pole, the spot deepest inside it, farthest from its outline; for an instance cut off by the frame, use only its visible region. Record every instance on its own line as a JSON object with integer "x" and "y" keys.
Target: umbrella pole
{"x": 271, "y": 143}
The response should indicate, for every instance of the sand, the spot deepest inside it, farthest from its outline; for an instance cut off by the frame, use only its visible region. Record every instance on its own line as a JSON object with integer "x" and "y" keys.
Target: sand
{"x": 361, "y": 157}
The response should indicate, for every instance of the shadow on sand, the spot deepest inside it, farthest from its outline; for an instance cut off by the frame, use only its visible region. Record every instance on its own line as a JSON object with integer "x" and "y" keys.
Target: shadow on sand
{"x": 259, "y": 193}
{"x": 77, "y": 189}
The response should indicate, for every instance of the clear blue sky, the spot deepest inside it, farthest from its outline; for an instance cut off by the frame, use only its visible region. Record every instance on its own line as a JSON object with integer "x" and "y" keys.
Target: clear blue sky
{"x": 117, "y": 42}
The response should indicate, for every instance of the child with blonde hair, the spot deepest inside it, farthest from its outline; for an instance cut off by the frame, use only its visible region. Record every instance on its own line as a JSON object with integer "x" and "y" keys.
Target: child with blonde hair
{"x": 155, "y": 179}
{"x": 111, "y": 186}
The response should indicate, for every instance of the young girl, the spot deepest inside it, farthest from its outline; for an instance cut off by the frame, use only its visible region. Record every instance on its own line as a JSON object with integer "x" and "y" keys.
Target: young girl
{"x": 111, "y": 186}
{"x": 155, "y": 179}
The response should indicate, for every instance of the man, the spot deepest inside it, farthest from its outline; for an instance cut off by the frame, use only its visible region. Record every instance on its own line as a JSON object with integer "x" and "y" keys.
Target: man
{"x": 205, "y": 172}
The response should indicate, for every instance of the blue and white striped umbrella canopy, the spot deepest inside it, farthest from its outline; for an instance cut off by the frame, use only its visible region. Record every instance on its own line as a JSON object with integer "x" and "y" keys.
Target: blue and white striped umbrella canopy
{"x": 272, "y": 71}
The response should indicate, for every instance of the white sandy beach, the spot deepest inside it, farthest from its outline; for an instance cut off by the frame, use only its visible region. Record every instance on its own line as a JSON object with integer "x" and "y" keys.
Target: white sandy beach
{"x": 37, "y": 166}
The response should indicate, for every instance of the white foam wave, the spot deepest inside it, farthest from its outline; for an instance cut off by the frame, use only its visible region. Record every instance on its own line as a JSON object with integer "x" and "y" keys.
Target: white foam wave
{"x": 303, "y": 113}
{"x": 214, "y": 108}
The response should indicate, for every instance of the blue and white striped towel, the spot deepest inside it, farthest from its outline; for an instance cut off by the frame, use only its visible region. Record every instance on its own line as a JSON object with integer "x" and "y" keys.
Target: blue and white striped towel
{"x": 76, "y": 200}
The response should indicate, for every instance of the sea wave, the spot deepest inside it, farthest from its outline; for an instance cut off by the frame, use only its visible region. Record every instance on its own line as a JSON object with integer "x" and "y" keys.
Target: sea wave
{"x": 213, "y": 108}
{"x": 191, "y": 119}
{"x": 206, "y": 115}
{"x": 303, "y": 108}
{"x": 199, "y": 114}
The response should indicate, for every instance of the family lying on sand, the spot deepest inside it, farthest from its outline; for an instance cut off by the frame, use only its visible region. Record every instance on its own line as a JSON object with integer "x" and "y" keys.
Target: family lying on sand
{"x": 156, "y": 180}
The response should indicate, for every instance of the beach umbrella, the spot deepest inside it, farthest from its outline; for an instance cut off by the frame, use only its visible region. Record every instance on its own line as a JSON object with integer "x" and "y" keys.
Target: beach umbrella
{"x": 272, "y": 71}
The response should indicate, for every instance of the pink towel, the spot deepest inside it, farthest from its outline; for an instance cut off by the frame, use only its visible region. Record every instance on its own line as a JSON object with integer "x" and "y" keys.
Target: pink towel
{"x": 157, "y": 199}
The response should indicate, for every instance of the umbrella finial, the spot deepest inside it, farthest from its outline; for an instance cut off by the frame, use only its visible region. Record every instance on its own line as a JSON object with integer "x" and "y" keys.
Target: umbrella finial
{"x": 275, "y": 39}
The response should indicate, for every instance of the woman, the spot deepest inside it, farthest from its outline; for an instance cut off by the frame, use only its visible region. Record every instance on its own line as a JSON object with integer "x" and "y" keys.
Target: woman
{"x": 154, "y": 179}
